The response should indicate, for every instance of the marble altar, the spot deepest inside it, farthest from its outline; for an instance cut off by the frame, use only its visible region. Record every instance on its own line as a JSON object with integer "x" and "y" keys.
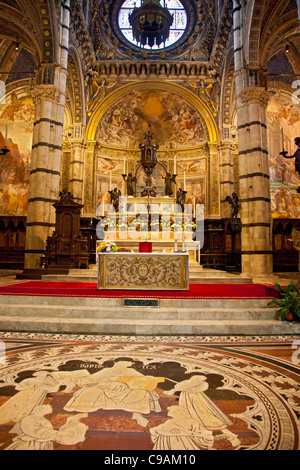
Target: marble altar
{"x": 150, "y": 271}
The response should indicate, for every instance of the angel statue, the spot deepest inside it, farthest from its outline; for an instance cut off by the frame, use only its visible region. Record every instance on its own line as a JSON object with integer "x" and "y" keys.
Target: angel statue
{"x": 208, "y": 92}
{"x": 115, "y": 198}
{"x": 168, "y": 184}
{"x": 97, "y": 91}
{"x": 296, "y": 156}
{"x": 234, "y": 202}
{"x": 129, "y": 180}
{"x": 180, "y": 197}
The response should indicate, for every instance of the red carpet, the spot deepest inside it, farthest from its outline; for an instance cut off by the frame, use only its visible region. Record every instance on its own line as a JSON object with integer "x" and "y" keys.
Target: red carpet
{"x": 89, "y": 289}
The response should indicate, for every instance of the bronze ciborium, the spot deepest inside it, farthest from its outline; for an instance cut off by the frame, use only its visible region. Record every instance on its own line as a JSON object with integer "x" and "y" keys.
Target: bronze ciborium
{"x": 148, "y": 160}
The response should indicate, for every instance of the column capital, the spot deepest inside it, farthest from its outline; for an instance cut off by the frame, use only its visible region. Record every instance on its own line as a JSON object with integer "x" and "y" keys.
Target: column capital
{"x": 256, "y": 94}
{"x": 213, "y": 147}
{"x": 91, "y": 145}
{"x": 226, "y": 144}
{"x": 78, "y": 143}
{"x": 45, "y": 93}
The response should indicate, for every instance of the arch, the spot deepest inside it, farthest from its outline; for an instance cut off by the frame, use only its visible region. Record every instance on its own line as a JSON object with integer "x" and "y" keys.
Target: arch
{"x": 190, "y": 97}
{"x": 75, "y": 87}
{"x": 227, "y": 98}
{"x": 256, "y": 27}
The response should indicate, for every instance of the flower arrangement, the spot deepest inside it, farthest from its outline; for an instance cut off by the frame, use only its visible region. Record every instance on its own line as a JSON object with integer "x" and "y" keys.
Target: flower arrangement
{"x": 106, "y": 247}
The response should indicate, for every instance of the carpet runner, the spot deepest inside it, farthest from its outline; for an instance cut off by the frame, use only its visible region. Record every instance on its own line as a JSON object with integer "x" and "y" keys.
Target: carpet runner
{"x": 89, "y": 289}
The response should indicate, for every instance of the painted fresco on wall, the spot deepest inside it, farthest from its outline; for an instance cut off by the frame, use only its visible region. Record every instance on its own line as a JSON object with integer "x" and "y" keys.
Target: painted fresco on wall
{"x": 16, "y": 122}
{"x": 174, "y": 122}
{"x": 283, "y": 127}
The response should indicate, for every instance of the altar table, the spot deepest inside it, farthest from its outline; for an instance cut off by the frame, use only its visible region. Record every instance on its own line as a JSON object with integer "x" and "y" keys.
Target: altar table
{"x": 149, "y": 271}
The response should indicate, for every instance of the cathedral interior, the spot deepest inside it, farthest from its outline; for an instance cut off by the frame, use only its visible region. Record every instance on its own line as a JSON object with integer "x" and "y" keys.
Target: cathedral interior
{"x": 83, "y": 83}
{"x": 78, "y": 93}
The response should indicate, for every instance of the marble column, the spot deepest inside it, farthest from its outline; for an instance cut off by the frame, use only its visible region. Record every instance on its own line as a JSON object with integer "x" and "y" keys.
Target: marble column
{"x": 254, "y": 182}
{"x": 44, "y": 180}
{"x": 226, "y": 148}
{"x": 76, "y": 169}
{"x": 251, "y": 104}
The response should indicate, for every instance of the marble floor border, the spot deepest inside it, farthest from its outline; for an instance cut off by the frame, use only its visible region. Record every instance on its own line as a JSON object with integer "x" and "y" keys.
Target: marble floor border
{"x": 151, "y": 339}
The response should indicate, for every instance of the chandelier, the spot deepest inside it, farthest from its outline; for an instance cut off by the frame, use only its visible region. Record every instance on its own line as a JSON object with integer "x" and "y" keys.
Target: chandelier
{"x": 150, "y": 23}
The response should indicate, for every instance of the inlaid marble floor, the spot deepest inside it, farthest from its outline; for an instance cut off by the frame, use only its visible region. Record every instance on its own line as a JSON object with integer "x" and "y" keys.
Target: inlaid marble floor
{"x": 114, "y": 393}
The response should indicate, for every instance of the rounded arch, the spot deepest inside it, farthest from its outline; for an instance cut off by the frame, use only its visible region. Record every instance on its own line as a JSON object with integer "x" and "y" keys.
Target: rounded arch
{"x": 75, "y": 87}
{"x": 227, "y": 98}
{"x": 190, "y": 97}
{"x": 259, "y": 19}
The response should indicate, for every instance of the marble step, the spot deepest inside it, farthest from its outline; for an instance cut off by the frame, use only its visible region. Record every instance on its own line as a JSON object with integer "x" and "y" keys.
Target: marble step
{"x": 147, "y": 326}
{"x": 196, "y": 275}
{"x": 116, "y": 302}
{"x": 156, "y": 314}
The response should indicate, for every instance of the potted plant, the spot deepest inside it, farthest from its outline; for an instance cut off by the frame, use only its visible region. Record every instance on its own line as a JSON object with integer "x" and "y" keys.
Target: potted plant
{"x": 288, "y": 303}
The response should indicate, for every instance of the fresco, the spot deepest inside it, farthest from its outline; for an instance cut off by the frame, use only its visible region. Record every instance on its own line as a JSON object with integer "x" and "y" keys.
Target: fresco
{"x": 16, "y": 122}
{"x": 283, "y": 127}
{"x": 174, "y": 122}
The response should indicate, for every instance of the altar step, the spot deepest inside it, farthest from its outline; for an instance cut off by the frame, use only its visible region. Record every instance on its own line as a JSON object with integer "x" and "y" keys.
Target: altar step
{"x": 197, "y": 275}
{"x": 109, "y": 316}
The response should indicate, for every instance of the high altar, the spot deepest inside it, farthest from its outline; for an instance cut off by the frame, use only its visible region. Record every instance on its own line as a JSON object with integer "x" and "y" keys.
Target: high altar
{"x": 144, "y": 239}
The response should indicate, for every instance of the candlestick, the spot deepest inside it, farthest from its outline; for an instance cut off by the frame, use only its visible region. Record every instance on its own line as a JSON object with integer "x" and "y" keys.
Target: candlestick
{"x": 176, "y": 245}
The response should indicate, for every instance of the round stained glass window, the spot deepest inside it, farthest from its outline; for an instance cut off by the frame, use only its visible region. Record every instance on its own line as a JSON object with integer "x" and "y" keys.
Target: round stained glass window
{"x": 177, "y": 29}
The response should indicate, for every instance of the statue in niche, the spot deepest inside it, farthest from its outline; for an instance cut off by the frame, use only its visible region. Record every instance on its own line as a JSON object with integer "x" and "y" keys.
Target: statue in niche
{"x": 235, "y": 205}
{"x": 129, "y": 180}
{"x": 296, "y": 156}
{"x": 168, "y": 183}
{"x": 180, "y": 197}
{"x": 114, "y": 198}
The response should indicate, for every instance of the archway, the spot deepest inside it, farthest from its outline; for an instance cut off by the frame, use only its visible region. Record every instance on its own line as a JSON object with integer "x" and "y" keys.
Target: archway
{"x": 191, "y": 151}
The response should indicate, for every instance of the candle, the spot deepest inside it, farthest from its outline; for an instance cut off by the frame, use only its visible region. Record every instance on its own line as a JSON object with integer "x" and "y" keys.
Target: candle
{"x": 282, "y": 138}
{"x": 6, "y": 134}
{"x": 110, "y": 180}
{"x": 124, "y": 167}
{"x": 183, "y": 242}
{"x": 175, "y": 165}
{"x": 184, "y": 181}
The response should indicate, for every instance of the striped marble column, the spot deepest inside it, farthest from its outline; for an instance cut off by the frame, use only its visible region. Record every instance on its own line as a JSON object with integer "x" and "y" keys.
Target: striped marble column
{"x": 76, "y": 169}
{"x": 226, "y": 148}
{"x": 255, "y": 183}
{"x": 44, "y": 181}
{"x": 251, "y": 103}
